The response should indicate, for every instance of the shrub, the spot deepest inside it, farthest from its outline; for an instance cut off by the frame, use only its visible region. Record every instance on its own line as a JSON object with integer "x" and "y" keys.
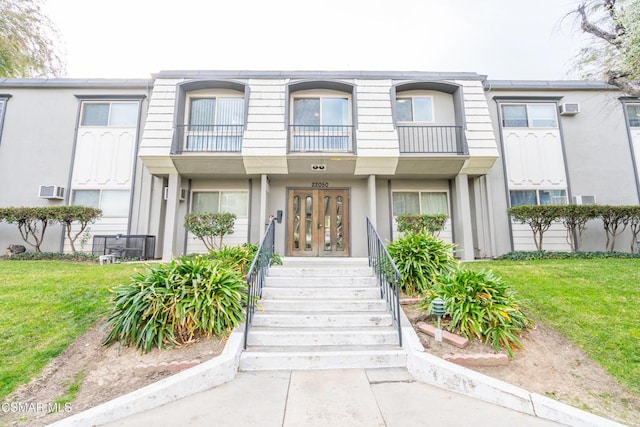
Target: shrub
{"x": 32, "y": 222}
{"x": 207, "y": 226}
{"x": 172, "y": 304}
{"x": 421, "y": 258}
{"x": 533, "y": 255}
{"x": 539, "y": 218}
{"x": 428, "y": 223}
{"x": 575, "y": 218}
{"x": 83, "y": 215}
{"x": 239, "y": 257}
{"x": 52, "y": 256}
{"x": 481, "y": 305}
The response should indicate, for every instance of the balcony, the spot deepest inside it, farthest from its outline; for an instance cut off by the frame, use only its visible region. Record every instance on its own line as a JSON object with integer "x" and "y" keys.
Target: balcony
{"x": 431, "y": 140}
{"x": 210, "y": 138}
{"x": 318, "y": 139}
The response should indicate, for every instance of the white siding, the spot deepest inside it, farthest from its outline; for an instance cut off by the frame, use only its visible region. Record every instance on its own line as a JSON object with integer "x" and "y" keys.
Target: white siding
{"x": 554, "y": 239}
{"x": 239, "y": 236}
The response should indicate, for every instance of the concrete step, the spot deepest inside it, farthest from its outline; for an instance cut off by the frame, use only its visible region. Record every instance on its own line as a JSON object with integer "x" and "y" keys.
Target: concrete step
{"x": 319, "y": 305}
{"x": 264, "y": 358}
{"x": 327, "y": 271}
{"x": 292, "y": 337}
{"x": 309, "y": 293}
{"x": 322, "y": 319}
{"x": 329, "y": 282}
{"x": 324, "y": 262}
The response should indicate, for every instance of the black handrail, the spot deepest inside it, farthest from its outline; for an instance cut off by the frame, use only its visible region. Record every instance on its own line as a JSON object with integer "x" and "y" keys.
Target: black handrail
{"x": 320, "y": 138}
{"x": 211, "y": 138}
{"x": 387, "y": 274}
{"x": 431, "y": 139}
{"x": 257, "y": 273}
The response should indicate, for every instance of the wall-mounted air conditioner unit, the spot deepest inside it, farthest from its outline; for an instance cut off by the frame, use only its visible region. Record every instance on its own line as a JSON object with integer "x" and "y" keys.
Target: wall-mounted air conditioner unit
{"x": 584, "y": 200}
{"x": 51, "y": 192}
{"x": 183, "y": 194}
{"x": 569, "y": 109}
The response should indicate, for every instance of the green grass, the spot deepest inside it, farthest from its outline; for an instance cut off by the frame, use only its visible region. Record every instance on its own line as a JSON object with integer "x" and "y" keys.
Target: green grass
{"x": 594, "y": 303}
{"x": 44, "y": 306}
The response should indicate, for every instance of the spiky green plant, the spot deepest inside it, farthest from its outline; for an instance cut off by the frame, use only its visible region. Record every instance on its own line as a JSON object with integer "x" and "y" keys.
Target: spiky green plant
{"x": 172, "y": 304}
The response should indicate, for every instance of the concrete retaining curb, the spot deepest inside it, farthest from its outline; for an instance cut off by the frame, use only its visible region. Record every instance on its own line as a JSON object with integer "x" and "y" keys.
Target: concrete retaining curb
{"x": 438, "y": 372}
{"x": 214, "y": 372}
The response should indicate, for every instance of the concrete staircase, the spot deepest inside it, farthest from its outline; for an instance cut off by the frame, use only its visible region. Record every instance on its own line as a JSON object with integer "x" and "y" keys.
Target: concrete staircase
{"x": 322, "y": 314}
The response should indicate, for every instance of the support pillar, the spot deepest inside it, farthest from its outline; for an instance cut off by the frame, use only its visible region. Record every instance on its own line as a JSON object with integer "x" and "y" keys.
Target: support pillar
{"x": 171, "y": 217}
{"x": 264, "y": 196}
{"x": 464, "y": 227}
{"x": 371, "y": 193}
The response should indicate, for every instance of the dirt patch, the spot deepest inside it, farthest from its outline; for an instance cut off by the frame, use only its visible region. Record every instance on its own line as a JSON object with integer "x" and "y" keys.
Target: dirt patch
{"x": 103, "y": 373}
{"x": 548, "y": 365}
{"x": 551, "y": 366}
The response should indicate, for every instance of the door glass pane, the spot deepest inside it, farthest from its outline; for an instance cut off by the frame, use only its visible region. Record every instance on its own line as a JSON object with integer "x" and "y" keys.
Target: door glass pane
{"x": 422, "y": 110}
{"x": 296, "y": 223}
{"x": 95, "y": 114}
{"x": 123, "y": 114}
{"x": 115, "y": 202}
{"x": 308, "y": 223}
{"x": 403, "y": 110}
{"x": 406, "y": 203}
{"x": 542, "y": 116}
{"x": 335, "y": 111}
{"x": 339, "y": 224}
{"x": 523, "y": 197}
{"x": 434, "y": 203}
{"x": 202, "y": 111}
{"x": 327, "y": 223}
{"x": 90, "y": 198}
{"x": 514, "y": 116}
{"x": 235, "y": 202}
{"x": 306, "y": 111}
{"x": 206, "y": 202}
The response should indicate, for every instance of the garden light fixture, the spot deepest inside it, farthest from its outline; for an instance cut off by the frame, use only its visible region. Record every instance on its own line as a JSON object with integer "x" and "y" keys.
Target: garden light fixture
{"x": 437, "y": 308}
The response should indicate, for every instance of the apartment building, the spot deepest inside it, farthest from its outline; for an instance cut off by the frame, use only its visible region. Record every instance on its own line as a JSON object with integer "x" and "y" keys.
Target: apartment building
{"x": 320, "y": 151}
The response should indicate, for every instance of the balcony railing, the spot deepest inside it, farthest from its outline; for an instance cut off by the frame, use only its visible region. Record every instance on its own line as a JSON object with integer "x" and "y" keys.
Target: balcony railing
{"x": 317, "y": 139}
{"x": 210, "y": 138}
{"x": 431, "y": 139}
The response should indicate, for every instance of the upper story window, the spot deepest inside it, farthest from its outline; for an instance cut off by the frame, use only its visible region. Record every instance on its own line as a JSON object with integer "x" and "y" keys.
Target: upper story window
{"x": 235, "y": 202}
{"x": 633, "y": 112}
{"x": 105, "y": 113}
{"x": 213, "y": 111}
{"x": 3, "y": 107}
{"x": 321, "y": 111}
{"x": 529, "y": 116}
{"x": 537, "y": 197}
{"x": 414, "y": 109}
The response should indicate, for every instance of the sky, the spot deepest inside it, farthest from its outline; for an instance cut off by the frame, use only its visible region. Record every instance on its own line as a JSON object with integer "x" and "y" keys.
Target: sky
{"x": 504, "y": 39}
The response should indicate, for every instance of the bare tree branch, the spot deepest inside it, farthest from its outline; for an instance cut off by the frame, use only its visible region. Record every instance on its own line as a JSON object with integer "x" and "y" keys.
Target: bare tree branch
{"x": 591, "y": 28}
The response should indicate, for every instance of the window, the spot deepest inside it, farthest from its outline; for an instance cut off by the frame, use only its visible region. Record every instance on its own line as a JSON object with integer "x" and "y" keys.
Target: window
{"x": 112, "y": 202}
{"x": 420, "y": 202}
{"x": 529, "y": 115}
{"x": 415, "y": 109}
{"x": 323, "y": 111}
{"x": 122, "y": 114}
{"x": 236, "y": 202}
{"x": 216, "y": 111}
{"x": 538, "y": 197}
{"x": 3, "y": 105}
{"x": 633, "y": 111}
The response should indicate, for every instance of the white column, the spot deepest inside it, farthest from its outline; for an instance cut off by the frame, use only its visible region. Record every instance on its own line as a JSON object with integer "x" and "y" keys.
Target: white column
{"x": 464, "y": 231}
{"x": 264, "y": 193}
{"x": 371, "y": 191}
{"x": 171, "y": 217}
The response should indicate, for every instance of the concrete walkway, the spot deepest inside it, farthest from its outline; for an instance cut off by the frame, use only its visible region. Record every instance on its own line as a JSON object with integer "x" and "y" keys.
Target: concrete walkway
{"x": 346, "y": 397}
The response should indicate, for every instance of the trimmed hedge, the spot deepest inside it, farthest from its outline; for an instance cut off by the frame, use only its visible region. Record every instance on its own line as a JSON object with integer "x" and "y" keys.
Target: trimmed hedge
{"x": 533, "y": 255}
{"x": 427, "y": 223}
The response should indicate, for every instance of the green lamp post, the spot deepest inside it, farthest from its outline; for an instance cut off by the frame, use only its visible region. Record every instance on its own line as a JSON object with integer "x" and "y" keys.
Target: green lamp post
{"x": 437, "y": 308}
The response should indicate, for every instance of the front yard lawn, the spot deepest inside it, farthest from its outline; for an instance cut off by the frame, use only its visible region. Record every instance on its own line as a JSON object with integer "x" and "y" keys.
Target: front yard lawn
{"x": 44, "y": 306}
{"x": 595, "y": 303}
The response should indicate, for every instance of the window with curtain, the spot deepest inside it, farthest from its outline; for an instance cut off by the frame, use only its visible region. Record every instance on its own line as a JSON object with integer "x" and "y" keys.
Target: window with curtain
{"x": 236, "y": 202}
{"x": 106, "y": 113}
{"x": 537, "y": 197}
{"x": 321, "y": 111}
{"x": 113, "y": 203}
{"x": 633, "y": 112}
{"x": 420, "y": 202}
{"x": 216, "y": 111}
{"x": 535, "y": 115}
{"x": 414, "y": 109}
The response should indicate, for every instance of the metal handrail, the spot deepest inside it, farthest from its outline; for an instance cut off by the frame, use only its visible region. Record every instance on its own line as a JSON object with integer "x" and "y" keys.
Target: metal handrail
{"x": 257, "y": 273}
{"x": 431, "y": 139}
{"x": 320, "y": 138}
{"x": 211, "y": 138}
{"x": 387, "y": 274}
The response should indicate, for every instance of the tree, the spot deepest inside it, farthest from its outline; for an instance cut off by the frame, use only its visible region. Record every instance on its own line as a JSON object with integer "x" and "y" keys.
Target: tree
{"x": 83, "y": 215}
{"x": 27, "y": 41}
{"x": 539, "y": 218}
{"x": 207, "y": 226}
{"x": 615, "y": 55}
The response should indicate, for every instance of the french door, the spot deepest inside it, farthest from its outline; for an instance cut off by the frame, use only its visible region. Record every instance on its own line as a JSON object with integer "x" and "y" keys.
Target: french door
{"x": 318, "y": 222}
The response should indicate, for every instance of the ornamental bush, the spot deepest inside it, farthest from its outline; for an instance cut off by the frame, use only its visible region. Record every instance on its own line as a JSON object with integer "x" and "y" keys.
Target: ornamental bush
{"x": 420, "y": 259}
{"x": 239, "y": 257}
{"x": 428, "y": 223}
{"x": 481, "y": 305}
{"x": 207, "y": 226}
{"x": 175, "y": 303}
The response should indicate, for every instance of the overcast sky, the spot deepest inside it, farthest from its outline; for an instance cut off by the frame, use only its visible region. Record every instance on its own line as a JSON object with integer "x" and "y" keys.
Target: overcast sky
{"x": 504, "y": 39}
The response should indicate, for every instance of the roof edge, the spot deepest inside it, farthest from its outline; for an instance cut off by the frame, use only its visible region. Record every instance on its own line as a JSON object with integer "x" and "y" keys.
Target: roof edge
{"x": 548, "y": 85}
{"x": 75, "y": 83}
{"x": 322, "y": 74}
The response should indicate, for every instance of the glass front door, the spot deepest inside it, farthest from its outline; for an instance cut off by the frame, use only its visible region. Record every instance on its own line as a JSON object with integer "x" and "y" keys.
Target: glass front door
{"x": 318, "y": 222}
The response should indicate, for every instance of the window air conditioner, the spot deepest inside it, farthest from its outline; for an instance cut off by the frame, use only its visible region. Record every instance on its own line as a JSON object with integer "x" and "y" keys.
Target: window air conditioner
{"x": 183, "y": 194}
{"x": 51, "y": 192}
{"x": 569, "y": 109}
{"x": 584, "y": 200}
